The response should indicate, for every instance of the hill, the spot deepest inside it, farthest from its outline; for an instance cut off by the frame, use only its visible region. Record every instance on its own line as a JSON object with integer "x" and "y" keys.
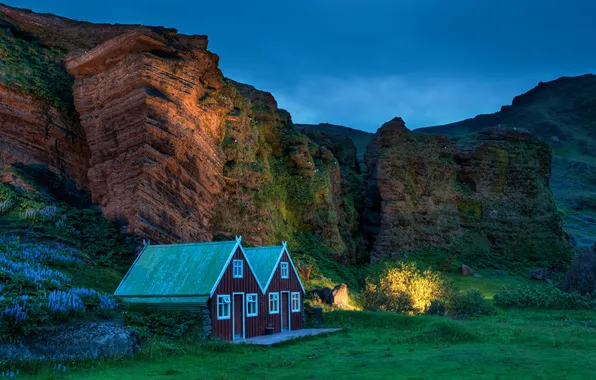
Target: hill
{"x": 360, "y": 138}
{"x": 563, "y": 113}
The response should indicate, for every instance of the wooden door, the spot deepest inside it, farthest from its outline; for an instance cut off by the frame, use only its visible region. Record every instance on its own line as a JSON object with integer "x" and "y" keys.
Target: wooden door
{"x": 285, "y": 316}
{"x": 238, "y": 316}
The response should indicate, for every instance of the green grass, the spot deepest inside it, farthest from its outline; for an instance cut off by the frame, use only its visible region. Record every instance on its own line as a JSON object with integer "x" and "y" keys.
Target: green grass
{"x": 375, "y": 345}
{"x": 489, "y": 282}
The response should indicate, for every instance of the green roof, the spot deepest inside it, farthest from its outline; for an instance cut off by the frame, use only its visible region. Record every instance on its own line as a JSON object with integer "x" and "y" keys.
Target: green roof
{"x": 263, "y": 261}
{"x": 174, "y": 270}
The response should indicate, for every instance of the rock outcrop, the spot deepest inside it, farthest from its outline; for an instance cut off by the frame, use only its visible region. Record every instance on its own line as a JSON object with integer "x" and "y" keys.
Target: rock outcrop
{"x": 561, "y": 112}
{"x": 482, "y": 196}
{"x": 162, "y": 141}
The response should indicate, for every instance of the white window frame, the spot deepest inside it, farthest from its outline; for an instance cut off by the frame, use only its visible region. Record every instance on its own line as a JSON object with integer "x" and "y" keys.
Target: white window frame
{"x": 252, "y": 298}
{"x": 238, "y": 268}
{"x": 284, "y": 269}
{"x": 295, "y": 297}
{"x": 221, "y": 300}
{"x": 274, "y": 299}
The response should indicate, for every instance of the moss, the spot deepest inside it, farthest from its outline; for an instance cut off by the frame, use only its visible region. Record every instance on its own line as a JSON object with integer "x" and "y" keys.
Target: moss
{"x": 36, "y": 69}
{"x": 470, "y": 208}
{"x": 502, "y": 160}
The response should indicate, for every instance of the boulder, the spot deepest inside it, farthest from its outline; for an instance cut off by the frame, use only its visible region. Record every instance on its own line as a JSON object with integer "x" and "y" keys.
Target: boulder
{"x": 542, "y": 274}
{"x": 340, "y": 295}
{"x": 466, "y": 270}
{"x": 71, "y": 342}
{"x": 337, "y": 296}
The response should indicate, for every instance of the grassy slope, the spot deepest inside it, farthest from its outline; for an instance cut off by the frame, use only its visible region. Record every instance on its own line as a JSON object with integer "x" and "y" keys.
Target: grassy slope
{"x": 562, "y": 112}
{"x": 512, "y": 345}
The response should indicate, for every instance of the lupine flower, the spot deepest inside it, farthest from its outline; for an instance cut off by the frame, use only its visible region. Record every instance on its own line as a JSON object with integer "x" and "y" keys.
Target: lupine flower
{"x": 16, "y": 312}
{"x": 106, "y": 302}
{"x": 5, "y": 206}
{"x": 64, "y": 302}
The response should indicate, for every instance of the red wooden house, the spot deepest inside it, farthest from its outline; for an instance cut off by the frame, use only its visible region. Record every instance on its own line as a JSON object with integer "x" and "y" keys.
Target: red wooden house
{"x": 238, "y": 299}
{"x": 283, "y": 292}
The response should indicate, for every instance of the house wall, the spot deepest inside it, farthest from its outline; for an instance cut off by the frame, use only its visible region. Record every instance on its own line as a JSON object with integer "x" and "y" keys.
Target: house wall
{"x": 229, "y": 285}
{"x": 278, "y": 285}
{"x": 255, "y": 326}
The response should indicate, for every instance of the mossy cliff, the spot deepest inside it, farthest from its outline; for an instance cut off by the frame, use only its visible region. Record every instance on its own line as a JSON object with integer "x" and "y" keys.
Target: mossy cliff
{"x": 164, "y": 143}
{"x": 485, "y": 199}
{"x": 174, "y": 151}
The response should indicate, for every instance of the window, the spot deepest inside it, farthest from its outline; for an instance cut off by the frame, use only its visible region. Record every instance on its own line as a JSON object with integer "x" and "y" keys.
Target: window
{"x": 295, "y": 302}
{"x": 252, "y": 308}
{"x": 284, "y": 270}
{"x": 223, "y": 306}
{"x": 238, "y": 269}
{"x": 273, "y": 303}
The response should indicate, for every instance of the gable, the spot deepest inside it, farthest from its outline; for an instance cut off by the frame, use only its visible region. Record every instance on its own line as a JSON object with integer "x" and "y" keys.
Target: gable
{"x": 228, "y": 284}
{"x": 275, "y": 268}
{"x": 177, "y": 269}
{"x": 263, "y": 261}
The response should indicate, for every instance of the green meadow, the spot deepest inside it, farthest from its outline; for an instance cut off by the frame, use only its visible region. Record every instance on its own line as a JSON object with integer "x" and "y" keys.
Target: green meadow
{"x": 514, "y": 344}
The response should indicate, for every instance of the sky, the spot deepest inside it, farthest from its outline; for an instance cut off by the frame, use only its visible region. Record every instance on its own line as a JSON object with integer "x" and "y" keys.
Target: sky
{"x": 361, "y": 63}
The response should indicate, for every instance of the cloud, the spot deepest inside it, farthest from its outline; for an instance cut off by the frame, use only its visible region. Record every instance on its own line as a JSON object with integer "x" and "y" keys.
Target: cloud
{"x": 367, "y": 102}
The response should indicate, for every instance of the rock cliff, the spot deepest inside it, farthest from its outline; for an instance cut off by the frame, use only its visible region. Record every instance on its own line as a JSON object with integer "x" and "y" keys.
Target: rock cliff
{"x": 561, "y": 112}
{"x": 143, "y": 118}
{"x": 480, "y": 197}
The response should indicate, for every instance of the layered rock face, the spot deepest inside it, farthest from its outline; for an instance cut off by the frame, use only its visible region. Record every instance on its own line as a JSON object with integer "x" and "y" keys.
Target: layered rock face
{"x": 162, "y": 140}
{"x": 154, "y": 159}
{"x": 482, "y": 196}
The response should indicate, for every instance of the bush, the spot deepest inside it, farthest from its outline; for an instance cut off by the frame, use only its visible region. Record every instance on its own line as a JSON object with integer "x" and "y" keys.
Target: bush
{"x": 404, "y": 289}
{"x": 468, "y": 303}
{"x": 543, "y": 298}
{"x": 581, "y": 276}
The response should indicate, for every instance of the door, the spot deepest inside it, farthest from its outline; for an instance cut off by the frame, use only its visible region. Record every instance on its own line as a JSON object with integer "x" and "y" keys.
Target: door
{"x": 238, "y": 322}
{"x": 285, "y": 315}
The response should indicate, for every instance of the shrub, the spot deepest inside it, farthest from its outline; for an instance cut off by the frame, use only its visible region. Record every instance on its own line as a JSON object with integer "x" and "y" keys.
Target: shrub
{"x": 543, "y": 298}
{"x": 468, "y": 303}
{"x": 581, "y": 276}
{"x": 404, "y": 289}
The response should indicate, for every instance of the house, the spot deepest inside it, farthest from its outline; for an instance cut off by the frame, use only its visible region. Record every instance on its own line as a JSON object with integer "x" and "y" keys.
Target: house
{"x": 283, "y": 292}
{"x": 216, "y": 280}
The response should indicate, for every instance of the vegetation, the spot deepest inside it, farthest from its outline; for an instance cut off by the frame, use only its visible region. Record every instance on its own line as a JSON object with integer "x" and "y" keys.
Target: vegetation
{"x": 36, "y": 69}
{"x": 511, "y": 345}
{"x": 544, "y": 298}
{"x": 404, "y": 289}
{"x": 57, "y": 263}
{"x": 174, "y": 324}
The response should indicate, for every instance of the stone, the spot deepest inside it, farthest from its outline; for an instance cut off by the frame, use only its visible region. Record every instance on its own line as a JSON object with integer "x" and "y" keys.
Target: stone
{"x": 542, "y": 274}
{"x": 77, "y": 341}
{"x": 340, "y": 295}
{"x": 467, "y": 271}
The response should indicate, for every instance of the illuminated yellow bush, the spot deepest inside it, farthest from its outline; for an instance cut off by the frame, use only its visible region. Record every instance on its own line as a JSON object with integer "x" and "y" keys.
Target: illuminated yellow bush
{"x": 404, "y": 289}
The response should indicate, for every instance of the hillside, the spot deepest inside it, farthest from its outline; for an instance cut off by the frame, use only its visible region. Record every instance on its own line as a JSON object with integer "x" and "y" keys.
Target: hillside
{"x": 563, "y": 113}
{"x": 360, "y": 138}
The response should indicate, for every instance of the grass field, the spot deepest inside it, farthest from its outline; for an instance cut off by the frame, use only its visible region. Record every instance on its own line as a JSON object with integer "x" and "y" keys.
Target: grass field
{"x": 375, "y": 345}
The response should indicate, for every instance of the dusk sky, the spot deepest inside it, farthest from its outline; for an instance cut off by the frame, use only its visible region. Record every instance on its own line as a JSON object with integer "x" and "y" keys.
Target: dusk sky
{"x": 360, "y": 63}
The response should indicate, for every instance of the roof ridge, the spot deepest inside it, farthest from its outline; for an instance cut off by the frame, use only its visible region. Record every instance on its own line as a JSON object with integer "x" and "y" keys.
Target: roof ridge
{"x": 263, "y": 247}
{"x": 194, "y": 243}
